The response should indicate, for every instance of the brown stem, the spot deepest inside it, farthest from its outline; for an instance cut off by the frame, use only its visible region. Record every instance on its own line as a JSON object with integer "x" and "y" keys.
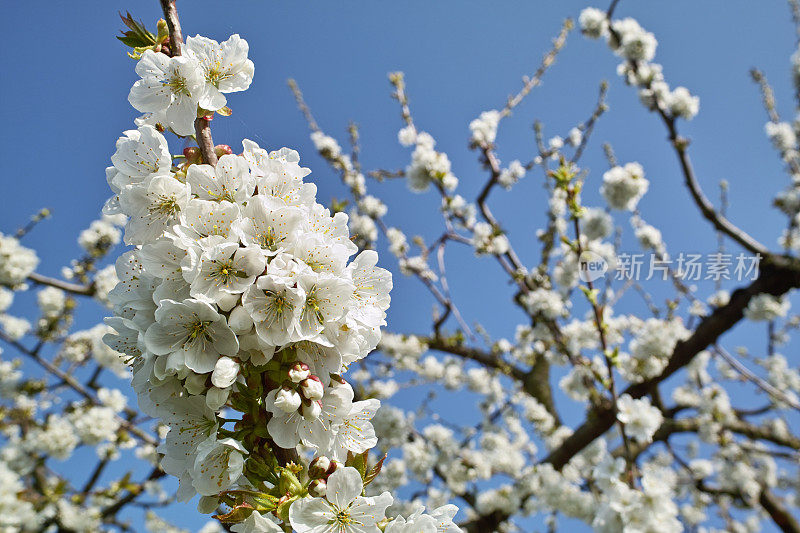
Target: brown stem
{"x": 174, "y": 26}
{"x": 782, "y": 518}
{"x": 672, "y": 426}
{"x": 73, "y": 288}
{"x": 202, "y": 131}
{"x": 201, "y": 125}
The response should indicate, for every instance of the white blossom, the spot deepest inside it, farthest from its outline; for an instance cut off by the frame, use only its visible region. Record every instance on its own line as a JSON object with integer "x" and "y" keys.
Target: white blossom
{"x": 343, "y": 509}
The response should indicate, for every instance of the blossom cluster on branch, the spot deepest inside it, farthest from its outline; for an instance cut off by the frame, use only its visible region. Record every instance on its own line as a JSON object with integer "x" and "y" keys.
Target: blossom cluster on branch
{"x": 240, "y": 296}
{"x": 254, "y": 321}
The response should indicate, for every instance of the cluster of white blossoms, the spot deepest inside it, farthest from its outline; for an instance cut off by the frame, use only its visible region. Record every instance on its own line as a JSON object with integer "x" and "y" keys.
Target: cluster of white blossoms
{"x": 484, "y": 128}
{"x": 489, "y": 240}
{"x": 651, "y": 348}
{"x": 171, "y": 88}
{"x": 624, "y": 186}
{"x": 638, "y": 48}
{"x": 511, "y": 175}
{"x": 240, "y": 294}
{"x": 765, "y": 307}
{"x": 640, "y": 418}
{"x": 427, "y": 165}
{"x": 16, "y": 261}
{"x": 244, "y": 303}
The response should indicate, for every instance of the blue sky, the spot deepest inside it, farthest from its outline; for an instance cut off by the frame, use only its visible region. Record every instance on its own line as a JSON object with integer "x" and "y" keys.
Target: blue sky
{"x": 66, "y": 83}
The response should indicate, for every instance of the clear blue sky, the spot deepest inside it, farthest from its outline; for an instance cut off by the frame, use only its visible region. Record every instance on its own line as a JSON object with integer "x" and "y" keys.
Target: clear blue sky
{"x": 66, "y": 80}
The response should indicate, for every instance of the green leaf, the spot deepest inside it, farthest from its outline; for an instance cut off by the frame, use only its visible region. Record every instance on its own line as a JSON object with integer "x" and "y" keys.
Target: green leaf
{"x": 260, "y": 501}
{"x": 374, "y": 471}
{"x": 236, "y": 515}
{"x": 137, "y": 35}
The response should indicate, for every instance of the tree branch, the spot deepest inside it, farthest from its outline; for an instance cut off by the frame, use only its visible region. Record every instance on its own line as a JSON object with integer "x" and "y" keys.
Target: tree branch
{"x": 782, "y": 518}
{"x": 202, "y": 130}
{"x": 672, "y": 426}
{"x": 201, "y": 124}
{"x": 774, "y": 279}
{"x": 74, "y": 288}
{"x": 174, "y": 26}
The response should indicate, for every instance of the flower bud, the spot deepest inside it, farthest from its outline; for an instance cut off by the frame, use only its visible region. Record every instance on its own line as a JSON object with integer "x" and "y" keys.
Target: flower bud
{"x": 318, "y": 488}
{"x": 318, "y": 468}
{"x": 335, "y": 464}
{"x": 239, "y": 320}
{"x": 222, "y": 149}
{"x": 192, "y": 154}
{"x": 225, "y": 372}
{"x": 287, "y": 400}
{"x": 299, "y": 372}
{"x": 311, "y": 411}
{"x": 311, "y": 388}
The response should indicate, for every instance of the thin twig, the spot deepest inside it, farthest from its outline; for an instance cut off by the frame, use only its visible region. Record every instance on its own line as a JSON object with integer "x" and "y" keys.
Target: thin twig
{"x": 751, "y": 376}
{"x": 73, "y": 288}
{"x": 548, "y": 59}
{"x": 174, "y": 26}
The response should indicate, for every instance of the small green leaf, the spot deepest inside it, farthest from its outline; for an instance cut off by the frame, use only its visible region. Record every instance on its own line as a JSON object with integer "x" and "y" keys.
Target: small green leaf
{"x": 374, "y": 471}
{"x": 137, "y": 35}
{"x": 236, "y": 515}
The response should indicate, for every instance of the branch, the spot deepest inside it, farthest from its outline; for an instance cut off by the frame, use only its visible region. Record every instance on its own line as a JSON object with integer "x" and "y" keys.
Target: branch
{"x": 672, "y": 426}
{"x": 174, "y": 26}
{"x": 475, "y": 354}
{"x": 774, "y": 279}
{"x": 202, "y": 129}
{"x": 535, "y": 381}
{"x": 706, "y": 208}
{"x": 75, "y": 385}
{"x": 74, "y": 288}
{"x": 760, "y": 383}
{"x": 782, "y": 518}
{"x": 680, "y": 144}
{"x": 547, "y": 60}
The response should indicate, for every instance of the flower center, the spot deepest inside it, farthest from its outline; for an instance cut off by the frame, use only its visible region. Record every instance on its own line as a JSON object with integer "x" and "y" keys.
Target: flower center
{"x": 269, "y": 240}
{"x": 277, "y": 306}
{"x": 225, "y": 271}
{"x": 343, "y": 518}
{"x": 177, "y": 84}
{"x": 166, "y": 205}
{"x": 312, "y": 306}
{"x": 199, "y": 330}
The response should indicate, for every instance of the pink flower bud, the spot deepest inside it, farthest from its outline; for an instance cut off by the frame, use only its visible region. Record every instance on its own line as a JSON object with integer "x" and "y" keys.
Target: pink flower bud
{"x": 311, "y": 388}
{"x": 318, "y": 488}
{"x": 299, "y": 372}
{"x": 335, "y": 463}
{"x": 222, "y": 149}
{"x": 311, "y": 410}
{"x": 192, "y": 154}
{"x": 318, "y": 468}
